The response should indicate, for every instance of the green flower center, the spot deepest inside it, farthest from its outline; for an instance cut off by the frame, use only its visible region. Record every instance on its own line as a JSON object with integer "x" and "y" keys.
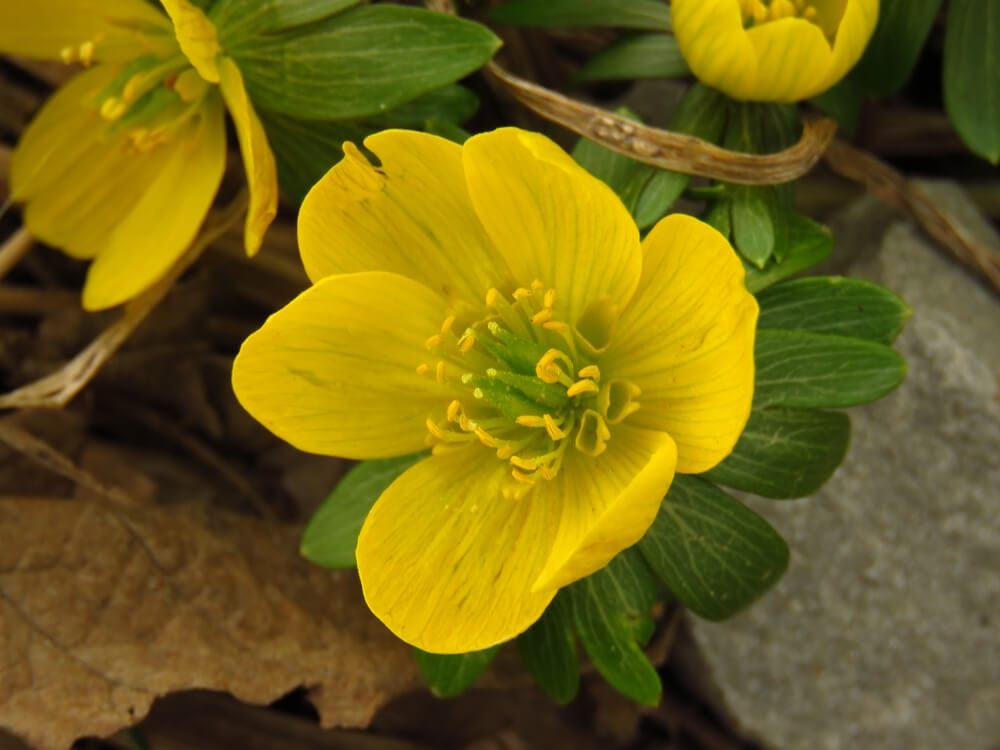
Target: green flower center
{"x": 533, "y": 384}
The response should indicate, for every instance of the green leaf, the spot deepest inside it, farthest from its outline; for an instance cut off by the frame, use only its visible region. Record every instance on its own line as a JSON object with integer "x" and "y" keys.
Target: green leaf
{"x": 548, "y": 651}
{"x": 842, "y": 102}
{"x": 834, "y": 304}
{"x": 636, "y": 56}
{"x": 972, "y": 74}
{"x": 332, "y": 533}
{"x": 611, "y": 611}
{"x": 903, "y": 26}
{"x": 808, "y": 244}
{"x": 659, "y": 194}
{"x": 753, "y": 215}
{"x": 761, "y": 127}
{"x": 785, "y": 453}
{"x": 450, "y": 675}
{"x": 715, "y": 554}
{"x": 362, "y": 62}
{"x": 651, "y": 15}
{"x": 822, "y": 371}
{"x": 239, "y": 21}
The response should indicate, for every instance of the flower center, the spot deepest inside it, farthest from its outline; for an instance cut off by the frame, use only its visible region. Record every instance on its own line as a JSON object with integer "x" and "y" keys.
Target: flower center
{"x": 533, "y": 386}
{"x": 823, "y": 13}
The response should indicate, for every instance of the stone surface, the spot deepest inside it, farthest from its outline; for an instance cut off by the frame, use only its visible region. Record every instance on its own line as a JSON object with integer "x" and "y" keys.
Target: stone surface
{"x": 885, "y": 632}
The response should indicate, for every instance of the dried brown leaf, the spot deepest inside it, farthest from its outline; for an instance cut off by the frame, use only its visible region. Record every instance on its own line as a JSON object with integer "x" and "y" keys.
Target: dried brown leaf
{"x": 102, "y": 609}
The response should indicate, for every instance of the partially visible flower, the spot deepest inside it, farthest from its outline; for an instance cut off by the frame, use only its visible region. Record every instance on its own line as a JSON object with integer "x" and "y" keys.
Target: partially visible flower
{"x": 772, "y": 50}
{"x": 122, "y": 164}
{"x": 493, "y": 300}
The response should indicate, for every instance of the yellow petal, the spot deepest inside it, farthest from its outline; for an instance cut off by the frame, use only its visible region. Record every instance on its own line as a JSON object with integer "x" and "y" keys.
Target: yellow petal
{"x": 160, "y": 226}
{"x": 607, "y": 503}
{"x": 447, "y": 561}
{"x": 552, "y": 220}
{"x": 258, "y": 159}
{"x": 197, "y": 37}
{"x": 712, "y": 40}
{"x": 793, "y": 60}
{"x": 411, "y": 216}
{"x": 687, "y": 341}
{"x": 47, "y": 29}
{"x": 334, "y": 371}
{"x": 856, "y": 28}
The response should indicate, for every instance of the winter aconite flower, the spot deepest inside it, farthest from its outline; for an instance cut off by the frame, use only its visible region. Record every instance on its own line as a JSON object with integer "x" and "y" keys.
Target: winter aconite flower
{"x": 772, "y": 50}
{"x": 494, "y": 301}
{"x": 121, "y": 165}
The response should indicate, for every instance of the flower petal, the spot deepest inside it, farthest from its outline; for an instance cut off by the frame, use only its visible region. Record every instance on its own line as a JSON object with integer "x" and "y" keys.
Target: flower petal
{"x": 197, "y": 37}
{"x": 47, "y": 28}
{"x": 793, "y": 60}
{"x": 410, "y": 216}
{"x": 712, "y": 40}
{"x": 447, "y": 559}
{"x": 687, "y": 341}
{"x": 334, "y": 371}
{"x": 552, "y": 220}
{"x": 607, "y": 503}
{"x": 856, "y": 28}
{"x": 161, "y": 224}
{"x": 258, "y": 159}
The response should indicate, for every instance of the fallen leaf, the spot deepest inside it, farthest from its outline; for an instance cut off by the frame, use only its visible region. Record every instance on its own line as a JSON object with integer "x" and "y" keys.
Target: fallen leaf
{"x": 103, "y": 609}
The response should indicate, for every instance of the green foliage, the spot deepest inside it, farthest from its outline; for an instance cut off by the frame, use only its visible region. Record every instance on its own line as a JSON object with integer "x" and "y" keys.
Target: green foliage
{"x": 650, "y": 15}
{"x": 238, "y": 21}
{"x": 360, "y": 62}
{"x": 809, "y": 243}
{"x": 636, "y": 56}
{"x": 332, "y": 533}
{"x": 548, "y": 651}
{"x": 714, "y": 553}
{"x": 972, "y": 74}
{"x": 449, "y": 675}
{"x": 903, "y": 26}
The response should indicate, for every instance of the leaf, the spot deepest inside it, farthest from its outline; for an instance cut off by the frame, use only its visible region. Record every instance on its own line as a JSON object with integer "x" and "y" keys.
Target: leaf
{"x": 834, "y": 304}
{"x": 239, "y": 22}
{"x": 636, "y": 56}
{"x": 715, "y": 554}
{"x": 972, "y": 74}
{"x": 893, "y": 50}
{"x": 611, "y": 611}
{"x": 361, "y": 62}
{"x": 809, "y": 243}
{"x": 332, "y": 533}
{"x": 104, "y": 609}
{"x": 548, "y": 651}
{"x": 753, "y": 213}
{"x": 842, "y": 102}
{"x": 651, "y": 15}
{"x": 785, "y": 453}
{"x": 658, "y": 194}
{"x": 822, "y": 371}
{"x": 450, "y": 675}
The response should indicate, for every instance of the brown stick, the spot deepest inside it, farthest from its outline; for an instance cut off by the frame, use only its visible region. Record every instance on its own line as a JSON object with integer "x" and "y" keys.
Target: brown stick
{"x": 13, "y": 249}
{"x": 666, "y": 149}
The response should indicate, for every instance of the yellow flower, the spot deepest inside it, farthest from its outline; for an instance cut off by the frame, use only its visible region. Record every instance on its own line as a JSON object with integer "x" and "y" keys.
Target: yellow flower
{"x": 121, "y": 165}
{"x": 494, "y": 301}
{"x": 772, "y": 50}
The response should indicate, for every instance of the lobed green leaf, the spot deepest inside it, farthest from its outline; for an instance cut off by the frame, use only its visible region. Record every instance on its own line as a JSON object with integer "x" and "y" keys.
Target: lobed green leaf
{"x": 548, "y": 651}
{"x": 449, "y": 675}
{"x": 715, "y": 554}
{"x": 239, "y": 22}
{"x": 636, "y": 56}
{"x": 808, "y": 244}
{"x": 972, "y": 74}
{"x": 785, "y": 453}
{"x": 651, "y": 15}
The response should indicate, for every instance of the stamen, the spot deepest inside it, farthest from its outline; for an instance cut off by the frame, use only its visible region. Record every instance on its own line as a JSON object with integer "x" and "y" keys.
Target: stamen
{"x": 549, "y": 371}
{"x": 582, "y": 386}
{"x": 550, "y": 298}
{"x": 439, "y": 372}
{"x": 454, "y": 409}
{"x": 542, "y": 316}
{"x": 528, "y": 464}
{"x": 433, "y": 342}
{"x": 447, "y": 324}
{"x": 423, "y": 368}
{"x": 530, "y": 420}
{"x": 112, "y": 108}
{"x": 521, "y": 477}
{"x": 87, "y": 53}
{"x": 552, "y": 427}
{"x": 590, "y": 371}
{"x": 435, "y": 429}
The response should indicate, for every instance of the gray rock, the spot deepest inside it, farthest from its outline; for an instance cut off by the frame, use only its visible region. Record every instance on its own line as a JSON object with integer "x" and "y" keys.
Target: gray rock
{"x": 885, "y": 632}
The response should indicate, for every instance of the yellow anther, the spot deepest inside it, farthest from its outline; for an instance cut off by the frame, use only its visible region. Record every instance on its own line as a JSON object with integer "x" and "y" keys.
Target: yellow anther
{"x": 190, "y": 86}
{"x": 447, "y": 324}
{"x": 590, "y": 371}
{"x": 558, "y": 326}
{"x": 810, "y": 13}
{"x": 537, "y": 286}
{"x": 530, "y": 420}
{"x": 466, "y": 424}
{"x": 423, "y": 368}
{"x": 528, "y": 464}
{"x": 548, "y": 370}
{"x": 505, "y": 451}
{"x": 550, "y": 298}
{"x": 454, "y": 409}
{"x": 68, "y": 55}
{"x": 87, "y": 53}
{"x": 781, "y": 9}
{"x": 547, "y": 472}
{"x": 433, "y": 342}
{"x": 439, "y": 372}
{"x": 467, "y": 340}
{"x": 553, "y": 428}
{"x": 542, "y": 316}
{"x": 492, "y": 297}
{"x": 485, "y": 438}
{"x": 435, "y": 429}
{"x": 521, "y": 293}
{"x": 112, "y": 108}
{"x": 521, "y": 477}
{"x": 582, "y": 386}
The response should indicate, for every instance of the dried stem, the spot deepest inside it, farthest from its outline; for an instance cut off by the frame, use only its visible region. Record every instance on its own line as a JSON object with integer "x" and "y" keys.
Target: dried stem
{"x": 13, "y": 249}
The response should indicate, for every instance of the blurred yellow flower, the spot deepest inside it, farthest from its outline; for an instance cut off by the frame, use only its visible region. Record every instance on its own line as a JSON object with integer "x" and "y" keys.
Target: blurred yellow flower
{"x": 122, "y": 164}
{"x": 494, "y": 301}
{"x": 772, "y": 50}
